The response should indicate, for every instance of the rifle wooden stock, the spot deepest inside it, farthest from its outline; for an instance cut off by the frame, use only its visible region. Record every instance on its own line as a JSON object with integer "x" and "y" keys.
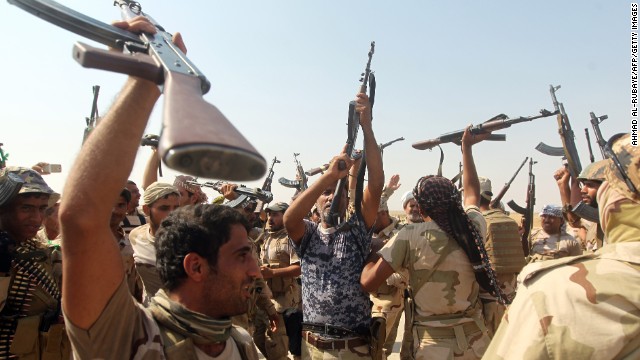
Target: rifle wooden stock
{"x": 498, "y": 122}
{"x": 495, "y": 202}
{"x": 196, "y": 139}
{"x": 209, "y": 145}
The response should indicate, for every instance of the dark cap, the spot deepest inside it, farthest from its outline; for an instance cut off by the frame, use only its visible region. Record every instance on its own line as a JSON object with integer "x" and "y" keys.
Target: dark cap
{"x": 279, "y": 206}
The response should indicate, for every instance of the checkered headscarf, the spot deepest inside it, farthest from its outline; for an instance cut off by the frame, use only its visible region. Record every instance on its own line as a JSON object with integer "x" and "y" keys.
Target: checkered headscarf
{"x": 438, "y": 198}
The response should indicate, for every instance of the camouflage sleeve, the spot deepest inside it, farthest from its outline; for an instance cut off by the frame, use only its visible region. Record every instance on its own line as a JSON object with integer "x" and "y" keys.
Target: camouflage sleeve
{"x": 309, "y": 231}
{"x": 395, "y": 252}
{"x": 572, "y": 308}
{"x": 263, "y": 300}
{"x": 477, "y": 219}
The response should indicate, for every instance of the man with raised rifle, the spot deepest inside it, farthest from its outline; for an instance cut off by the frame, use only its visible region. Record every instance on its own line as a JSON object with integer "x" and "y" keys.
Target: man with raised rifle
{"x": 585, "y": 307}
{"x": 588, "y": 183}
{"x": 504, "y": 248}
{"x": 203, "y": 255}
{"x": 337, "y": 311}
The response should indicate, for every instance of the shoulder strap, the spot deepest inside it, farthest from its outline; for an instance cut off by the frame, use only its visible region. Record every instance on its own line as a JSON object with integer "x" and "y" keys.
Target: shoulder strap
{"x": 176, "y": 346}
{"x": 244, "y": 342}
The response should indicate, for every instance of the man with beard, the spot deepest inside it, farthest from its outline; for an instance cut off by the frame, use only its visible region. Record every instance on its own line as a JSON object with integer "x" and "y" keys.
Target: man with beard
{"x": 411, "y": 209}
{"x": 585, "y": 307}
{"x": 160, "y": 200}
{"x": 337, "y": 311}
{"x": 551, "y": 241}
{"x": 203, "y": 256}
{"x": 280, "y": 267}
{"x": 29, "y": 292}
{"x": 588, "y": 182}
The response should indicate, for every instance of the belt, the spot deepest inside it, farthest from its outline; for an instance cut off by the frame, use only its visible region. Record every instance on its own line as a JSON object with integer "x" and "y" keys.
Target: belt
{"x": 446, "y": 332}
{"x": 333, "y": 344}
{"x": 330, "y": 330}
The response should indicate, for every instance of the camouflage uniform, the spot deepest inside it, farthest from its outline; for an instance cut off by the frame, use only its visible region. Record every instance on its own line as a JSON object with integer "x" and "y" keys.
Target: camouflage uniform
{"x": 584, "y": 307}
{"x": 545, "y": 247}
{"x": 447, "y": 316}
{"x": 388, "y": 300}
{"x": 30, "y": 325}
{"x": 277, "y": 252}
{"x": 504, "y": 246}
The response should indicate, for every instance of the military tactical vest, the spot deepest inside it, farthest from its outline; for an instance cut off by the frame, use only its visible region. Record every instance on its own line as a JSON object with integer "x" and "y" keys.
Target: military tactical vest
{"x": 29, "y": 303}
{"x": 503, "y": 243}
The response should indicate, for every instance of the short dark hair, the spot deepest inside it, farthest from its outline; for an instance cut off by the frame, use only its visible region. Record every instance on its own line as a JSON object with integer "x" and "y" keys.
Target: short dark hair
{"x": 201, "y": 229}
{"x": 126, "y": 194}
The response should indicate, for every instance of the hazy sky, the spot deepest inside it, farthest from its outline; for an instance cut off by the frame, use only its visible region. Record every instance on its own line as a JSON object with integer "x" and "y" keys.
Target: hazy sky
{"x": 283, "y": 72}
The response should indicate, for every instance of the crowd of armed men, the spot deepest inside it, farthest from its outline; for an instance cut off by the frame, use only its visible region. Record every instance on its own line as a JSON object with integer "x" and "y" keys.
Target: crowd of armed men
{"x": 119, "y": 272}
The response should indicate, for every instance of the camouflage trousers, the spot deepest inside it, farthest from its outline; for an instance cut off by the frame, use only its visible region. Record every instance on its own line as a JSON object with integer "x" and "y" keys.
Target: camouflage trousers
{"x": 493, "y": 312}
{"x": 310, "y": 352}
{"x": 392, "y": 321}
{"x": 273, "y": 345}
{"x": 462, "y": 342}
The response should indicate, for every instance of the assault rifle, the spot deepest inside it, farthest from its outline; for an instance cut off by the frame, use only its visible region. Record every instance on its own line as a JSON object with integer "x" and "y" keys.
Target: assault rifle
{"x": 266, "y": 185}
{"x": 595, "y": 123}
{"x": 197, "y": 138}
{"x": 92, "y": 121}
{"x": 568, "y": 149}
{"x": 300, "y": 184}
{"x": 244, "y": 192}
{"x": 527, "y": 212}
{"x": 586, "y": 134}
{"x": 323, "y": 168}
{"x": 495, "y": 202}
{"x": 357, "y": 156}
{"x": 497, "y": 122}
{"x": 383, "y": 146}
{"x": 353, "y": 125}
{"x": 458, "y": 177}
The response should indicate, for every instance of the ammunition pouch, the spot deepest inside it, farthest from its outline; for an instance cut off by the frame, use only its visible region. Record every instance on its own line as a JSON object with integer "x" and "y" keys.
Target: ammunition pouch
{"x": 31, "y": 343}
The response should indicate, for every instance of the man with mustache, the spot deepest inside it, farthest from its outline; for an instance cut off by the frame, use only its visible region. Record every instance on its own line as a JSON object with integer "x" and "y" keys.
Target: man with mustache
{"x": 551, "y": 241}
{"x": 584, "y": 307}
{"x": 203, "y": 255}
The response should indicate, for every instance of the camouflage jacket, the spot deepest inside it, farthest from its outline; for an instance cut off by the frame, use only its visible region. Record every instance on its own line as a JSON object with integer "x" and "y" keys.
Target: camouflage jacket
{"x": 449, "y": 295}
{"x": 277, "y": 252}
{"x": 583, "y": 307}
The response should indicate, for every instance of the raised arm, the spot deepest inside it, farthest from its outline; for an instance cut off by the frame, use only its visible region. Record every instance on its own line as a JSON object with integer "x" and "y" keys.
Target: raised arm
{"x": 150, "y": 174}
{"x": 375, "y": 173}
{"x": 300, "y": 207}
{"x": 470, "y": 182}
{"x": 92, "y": 263}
